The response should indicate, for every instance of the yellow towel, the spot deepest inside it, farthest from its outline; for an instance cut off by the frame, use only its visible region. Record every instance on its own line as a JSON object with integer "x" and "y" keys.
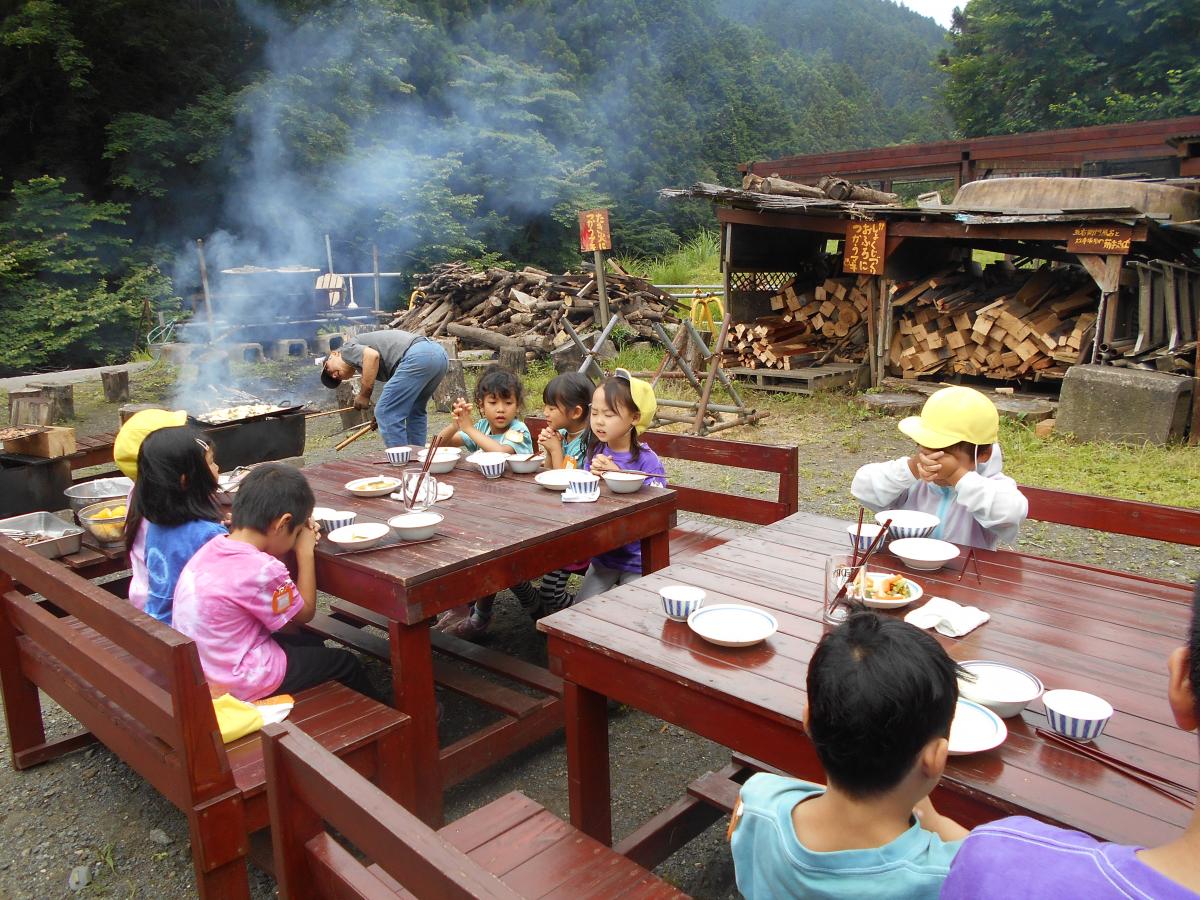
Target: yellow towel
{"x": 237, "y": 718}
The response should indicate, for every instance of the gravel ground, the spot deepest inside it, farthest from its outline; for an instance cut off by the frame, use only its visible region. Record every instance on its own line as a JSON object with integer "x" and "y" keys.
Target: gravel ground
{"x": 89, "y": 814}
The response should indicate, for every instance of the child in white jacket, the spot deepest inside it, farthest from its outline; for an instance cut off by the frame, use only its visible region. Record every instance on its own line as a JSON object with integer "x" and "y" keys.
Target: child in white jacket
{"x": 955, "y": 474}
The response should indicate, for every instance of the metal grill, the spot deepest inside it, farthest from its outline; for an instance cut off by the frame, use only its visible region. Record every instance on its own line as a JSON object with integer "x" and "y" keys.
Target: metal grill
{"x": 759, "y": 281}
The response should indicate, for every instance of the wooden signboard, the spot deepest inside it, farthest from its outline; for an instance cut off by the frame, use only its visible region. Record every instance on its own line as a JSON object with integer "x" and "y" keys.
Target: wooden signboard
{"x": 866, "y": 248}
{"x": 593, "y": 230}
{"x": 1101, "y": 239}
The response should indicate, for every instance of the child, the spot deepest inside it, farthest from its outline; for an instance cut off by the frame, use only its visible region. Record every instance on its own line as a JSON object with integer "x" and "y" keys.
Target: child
{"x": 615, "y": 416}
{"x": 1021, "y": 857}
{"x": 881, "y": 696}
{"x": 499, "y": 396}
{"x": 176, "y": 496}
{"x": 565, "y": 439}
{"x": 236, "y": 600}
{"x": 955, "y": 473}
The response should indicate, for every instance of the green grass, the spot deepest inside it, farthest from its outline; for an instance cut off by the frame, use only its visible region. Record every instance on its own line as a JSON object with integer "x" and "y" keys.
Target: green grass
{"x": 695, "y": 261}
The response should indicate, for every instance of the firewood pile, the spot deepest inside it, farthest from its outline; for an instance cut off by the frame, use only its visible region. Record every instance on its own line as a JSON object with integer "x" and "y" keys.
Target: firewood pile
{"x": 817, "y": 324}
{"x": 502, "y": 310}
{"x": 1006, "y": 324}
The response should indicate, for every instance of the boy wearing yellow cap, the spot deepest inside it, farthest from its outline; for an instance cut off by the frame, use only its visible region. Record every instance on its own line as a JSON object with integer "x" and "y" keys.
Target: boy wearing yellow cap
{"x": 955, "y": 473}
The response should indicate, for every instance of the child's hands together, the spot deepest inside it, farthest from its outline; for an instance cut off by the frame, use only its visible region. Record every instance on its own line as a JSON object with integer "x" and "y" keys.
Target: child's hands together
{"x": 602, "y": 463}
{"x": 549, "y": 439}
{"x": 461, "y": 412}
{"x": 940, "y": 467}
{"x": 306, "y": 540}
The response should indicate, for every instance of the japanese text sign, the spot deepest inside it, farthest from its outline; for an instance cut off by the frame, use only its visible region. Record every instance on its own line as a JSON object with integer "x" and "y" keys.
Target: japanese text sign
{"x": 866, "y": 248}
{"x": 1100, "y": 239}
{"x": 593, "y": 230}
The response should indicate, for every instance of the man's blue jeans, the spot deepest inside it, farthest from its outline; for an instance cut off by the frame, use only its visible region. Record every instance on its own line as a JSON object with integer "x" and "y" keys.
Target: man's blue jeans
{"x": 400, "y": 409}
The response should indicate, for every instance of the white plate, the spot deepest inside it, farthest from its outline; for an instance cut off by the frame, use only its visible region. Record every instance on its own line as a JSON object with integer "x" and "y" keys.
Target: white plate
{"x": 917, "y": 593}
{"x": 733, "y": 625}
{"x": 554, "y": 479}
{"x": 356, "y": 487}
{"x": 975, "y": 728}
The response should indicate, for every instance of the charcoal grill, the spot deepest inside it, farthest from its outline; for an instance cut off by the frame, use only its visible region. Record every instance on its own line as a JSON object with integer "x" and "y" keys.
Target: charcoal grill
{"x": 276, "y": 435}
{"x": 32, "y": 484}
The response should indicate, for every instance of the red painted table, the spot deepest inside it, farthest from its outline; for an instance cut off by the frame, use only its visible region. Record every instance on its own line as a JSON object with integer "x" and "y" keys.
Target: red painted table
{"x": 1074, "y": 626}
{"x": 496, "y": 533}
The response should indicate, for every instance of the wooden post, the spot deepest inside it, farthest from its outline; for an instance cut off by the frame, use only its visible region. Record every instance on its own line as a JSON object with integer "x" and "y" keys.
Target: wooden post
{"x": 871, "y": 309}
{"x": 375, "y": 272}
{"x": 601, "y": 288}
{"x": 30, "y": 407}
{"x": 1106, "y": 272}
{"x": 454, "y": 384}
{"x": 514, "y": 360}
{"x": 62, "y": 398}
{"x": 116, "y": 386}
{"x": 204, "y": 286}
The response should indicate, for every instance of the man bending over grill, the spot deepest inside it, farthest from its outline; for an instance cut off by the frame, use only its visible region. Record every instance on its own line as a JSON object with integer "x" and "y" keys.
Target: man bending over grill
{"x": 410, "y": 367}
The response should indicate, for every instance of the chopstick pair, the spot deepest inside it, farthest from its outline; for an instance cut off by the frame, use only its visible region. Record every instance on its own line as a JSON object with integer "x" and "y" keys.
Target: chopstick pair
{"x": 1165, "y": 786}
{"x": 876, "y": 543}
{"x": 974, "y": 561}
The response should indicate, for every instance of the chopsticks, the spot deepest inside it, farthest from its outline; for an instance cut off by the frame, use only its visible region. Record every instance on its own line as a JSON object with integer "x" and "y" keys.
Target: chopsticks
{"x": 328, "y": 412}
{"x": 1157, "y": 783}
{"x": 857, "y": 537}
{"x": 429, "y": 455}
{"x": 973, "y": 560}
{"x": 876, "y": 543}
{"x": 637, "y": 472}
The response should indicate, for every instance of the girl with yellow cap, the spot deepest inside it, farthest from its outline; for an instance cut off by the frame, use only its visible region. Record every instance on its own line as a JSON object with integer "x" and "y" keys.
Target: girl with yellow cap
{"x": 955, "y": 473}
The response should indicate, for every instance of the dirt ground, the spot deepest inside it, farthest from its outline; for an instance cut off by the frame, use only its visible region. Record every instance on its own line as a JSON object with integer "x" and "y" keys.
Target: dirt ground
{"x": 89, "y": 810}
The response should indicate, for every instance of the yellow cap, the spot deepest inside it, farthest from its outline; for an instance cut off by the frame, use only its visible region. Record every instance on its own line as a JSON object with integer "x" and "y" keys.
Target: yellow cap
{"x": 643, "y": 396}
{"x": 952, "y": 415}
{"x": 133, "y": 432}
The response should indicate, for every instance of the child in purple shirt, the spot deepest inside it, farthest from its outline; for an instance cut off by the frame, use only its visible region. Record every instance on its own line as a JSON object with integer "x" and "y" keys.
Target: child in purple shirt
{"x": 614, "y": 446}
{"x": 1020, "y": 857}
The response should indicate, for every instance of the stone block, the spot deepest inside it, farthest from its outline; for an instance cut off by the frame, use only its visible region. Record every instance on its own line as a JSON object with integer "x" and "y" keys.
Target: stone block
{"x": 321, "y": 344}
{"x": 1128, "y": 406}
{"x": 892, "y": 404}
{"x": 176, "y": 354}
{"x": 245, "y": 353}
{"x": 289, "y": 348}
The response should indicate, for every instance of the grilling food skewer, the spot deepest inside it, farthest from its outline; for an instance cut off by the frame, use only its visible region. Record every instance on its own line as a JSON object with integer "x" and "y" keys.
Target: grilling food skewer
{"x": 363, "y": 429}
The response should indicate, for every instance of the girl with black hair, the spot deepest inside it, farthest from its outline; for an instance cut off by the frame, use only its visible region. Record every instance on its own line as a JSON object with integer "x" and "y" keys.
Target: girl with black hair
{"x": 566, "y": 400}
{"x": 176, "y": 496}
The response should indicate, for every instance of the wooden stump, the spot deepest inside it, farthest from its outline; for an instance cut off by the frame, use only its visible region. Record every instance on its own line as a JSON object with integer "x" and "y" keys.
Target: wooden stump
{"x": 63, "y": 397}
{"x": 129, "y": 410}
{"x": 346, "y": 392}
{"x": 514, "y": 361}
{"x": 567, "y": 358}
{"x": 454, "y": 385}
{"x": 116, "y": 386}
{"x": 29, "y": 406}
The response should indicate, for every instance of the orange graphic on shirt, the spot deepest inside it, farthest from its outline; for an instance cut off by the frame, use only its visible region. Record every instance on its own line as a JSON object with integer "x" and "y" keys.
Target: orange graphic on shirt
{"x": 281, "y": 600}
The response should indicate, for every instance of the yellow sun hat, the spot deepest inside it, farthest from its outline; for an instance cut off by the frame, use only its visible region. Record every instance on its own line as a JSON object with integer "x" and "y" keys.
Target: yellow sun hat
{"x": 643, "y": 396}
{"x": 952, "y": 415}
{"x": 134, "y": 431}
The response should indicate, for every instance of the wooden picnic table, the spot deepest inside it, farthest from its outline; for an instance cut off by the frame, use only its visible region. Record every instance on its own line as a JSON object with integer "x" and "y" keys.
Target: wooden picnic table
{"x": 1073, "y": 625}
{"x": 496, "y": 533}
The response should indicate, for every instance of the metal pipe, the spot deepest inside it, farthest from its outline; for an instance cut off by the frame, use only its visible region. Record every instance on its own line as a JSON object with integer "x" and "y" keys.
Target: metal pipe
{"x": 693, "y": 405}
{"x": 204, "y": 286}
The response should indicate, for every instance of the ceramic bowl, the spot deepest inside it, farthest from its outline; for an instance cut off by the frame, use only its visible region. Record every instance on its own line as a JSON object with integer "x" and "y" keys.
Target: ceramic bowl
{"x": 491, "y": 464}
{"x": 444, "y": 460}
{"x": 398, "y": 456}
{"x": 553, "y": 479}
{"x": 333, "y": 519}
{"x": 1005, "y": 690}
{"x": 864, "y": 537}
{"x": 582, "y": 484}
{"x": 374, "y": 486}
{"x": 524, "y": 465}
{"x": 416, "y": 526}
{"x": 923, "y": 554}
{"x": 623, "y": 482}
{"x": 1077, "y": 714}
{"x": 110, "y": 530}
{"x": 908, "y": 523}
{"x": 359, "y": 537}
{"x": 680, "y": 600}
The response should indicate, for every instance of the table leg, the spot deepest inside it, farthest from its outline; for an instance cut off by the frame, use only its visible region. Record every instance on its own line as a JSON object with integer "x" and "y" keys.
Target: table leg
{"x": 587, "y": 761}
{"x": 656, "y": 552}
{"x": 412, "y": 682}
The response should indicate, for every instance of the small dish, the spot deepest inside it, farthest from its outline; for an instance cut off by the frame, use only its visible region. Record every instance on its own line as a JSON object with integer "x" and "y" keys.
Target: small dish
{"x": 865, "y": 537}
{"x": 680, "y": 600}
{"x": 525, "y": 463}
{"x": 923, "y": 554}
{"x": 359, "y": 537}
{"x": 908, "y": 523}
{"x": 444, "y": 460}
{"x": 398, "y": 456}
{"x": 1005, "y": 690}
{"x": 416, "y": 526}
{"x": 1077, "y": 714}
{"x": 554, "y": 479}
{"x": 491, "y": 464}
{"x": 733, "y": 625}
{"x": 375, "y": 486}
{"x": 914, "y": 589}
{"x": 975, "y": 729}
{"x": 624, "y": 482}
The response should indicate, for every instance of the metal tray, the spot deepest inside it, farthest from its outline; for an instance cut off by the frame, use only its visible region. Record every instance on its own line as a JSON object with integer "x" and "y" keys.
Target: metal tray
{"x": 65, "y": 537}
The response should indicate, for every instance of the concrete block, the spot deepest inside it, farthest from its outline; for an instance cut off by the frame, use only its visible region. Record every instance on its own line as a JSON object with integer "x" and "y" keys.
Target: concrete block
{"x": 1128, "y": 406}
{"x": 288, "y": 348}
{"x": 177, "y": 354}
{"x": 321, "y": 344}
{"x": 1026, "y": 409}
{"x": 247, "y": 353}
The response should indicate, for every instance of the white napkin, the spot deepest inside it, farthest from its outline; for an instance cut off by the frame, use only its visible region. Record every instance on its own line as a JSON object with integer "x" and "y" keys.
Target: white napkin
{"x": 947, "y": 617}
{"x": 568, "y": 497}
{"x": 445, "y": 492}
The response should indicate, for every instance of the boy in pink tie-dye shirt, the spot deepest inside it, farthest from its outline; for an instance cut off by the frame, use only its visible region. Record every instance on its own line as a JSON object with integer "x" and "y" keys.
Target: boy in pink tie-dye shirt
{"x": 240, "y": 605}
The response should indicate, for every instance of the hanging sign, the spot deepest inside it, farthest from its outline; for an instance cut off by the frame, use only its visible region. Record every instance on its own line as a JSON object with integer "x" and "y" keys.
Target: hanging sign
{"x": 1100, "y": 239}
{"x": 593, "y": 230}
{"x": 866, "y": 248}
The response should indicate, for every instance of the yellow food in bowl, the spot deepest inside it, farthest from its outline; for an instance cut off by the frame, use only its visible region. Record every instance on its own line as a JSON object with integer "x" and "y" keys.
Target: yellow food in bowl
{"x": 115, "y": 512}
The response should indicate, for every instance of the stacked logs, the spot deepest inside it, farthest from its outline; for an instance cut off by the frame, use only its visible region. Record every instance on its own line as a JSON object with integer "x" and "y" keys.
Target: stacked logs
{"x": 817, "y": 324}
{"x": 503, "y": 310}
{"x": 1008, "y": 324}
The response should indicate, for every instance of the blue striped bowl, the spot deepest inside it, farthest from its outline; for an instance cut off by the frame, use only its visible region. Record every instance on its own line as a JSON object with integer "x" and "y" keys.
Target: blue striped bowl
{"x": 398, "y": 456}
{"x": 1076, "y": 714}
{"x": 908, "y": 523}
{"x": 680, "y": 600}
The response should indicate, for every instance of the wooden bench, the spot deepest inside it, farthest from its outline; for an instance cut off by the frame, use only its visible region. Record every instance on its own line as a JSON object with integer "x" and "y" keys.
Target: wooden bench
{"x": 1173, "y": 524}
{"x": 509, "y": 849}
{"x": 690, "y": 538}
{"x": 136, "y": 685}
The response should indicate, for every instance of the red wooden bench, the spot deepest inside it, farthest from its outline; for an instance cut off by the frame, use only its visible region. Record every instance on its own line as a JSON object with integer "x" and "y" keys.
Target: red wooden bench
{"x": 1173, "y": 524}
{"x": 136, "y": 685}
{"x": 509, "y": 849}
{"x": 689, "y": 538}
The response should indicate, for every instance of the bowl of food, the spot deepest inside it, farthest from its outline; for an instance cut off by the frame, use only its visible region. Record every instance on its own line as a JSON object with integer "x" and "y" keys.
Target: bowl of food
{"x": 1005, "y": 690}
{"x": 680, "y": 600}
{"x": 398, "y": 456}
{"x": 884, "y": 590}
{"x": 444, "y": 459}
{"x": 333, "y": 519}
{"x": 418, "y": 526}
{"x": 862, "y": 535}
{"x": 908, "y": 523}
{"x": 624, "y": 482}
{"x": 105, "y": 521}
{"x": 374, "y": 486}
{"x": 923, "y": 554}
{"x": 1077, "y": 714}
{"x": 362, "y": 536}
{"x": 491, "y": 464}
{"x": 525, "y": 463}
{"x": 90, "y": 492}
